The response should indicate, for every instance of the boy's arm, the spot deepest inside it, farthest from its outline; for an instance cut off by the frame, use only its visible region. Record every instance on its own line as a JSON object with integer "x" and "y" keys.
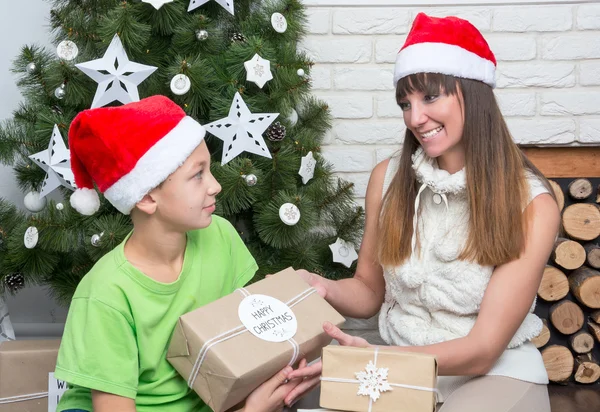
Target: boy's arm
{"x": 107, "y": 402}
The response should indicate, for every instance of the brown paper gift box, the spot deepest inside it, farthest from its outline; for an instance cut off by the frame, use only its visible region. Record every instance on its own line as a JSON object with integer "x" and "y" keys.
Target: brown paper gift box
{"x": 404, "y": 368}
{"x": 24, "y": 369}
{"x": 234, "y": 366}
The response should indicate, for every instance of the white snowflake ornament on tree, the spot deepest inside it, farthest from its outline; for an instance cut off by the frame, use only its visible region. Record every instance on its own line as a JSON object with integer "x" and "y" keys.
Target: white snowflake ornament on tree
{"x": 226, "y": 4}
{"x": 241, "y": 131}
{"x": 56, "y": 161}
{"x": 258, "y": 70}
{"x": 373, "y": 381}
{"x": 116, "y": 75}
{"x": 157, "y": 3}
{"x": 307, "y": 167}
{"x": 343, "y": 252}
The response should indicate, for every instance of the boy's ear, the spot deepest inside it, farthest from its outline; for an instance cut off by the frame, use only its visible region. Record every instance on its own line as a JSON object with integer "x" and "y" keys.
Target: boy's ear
{"x": 147, "y": 205}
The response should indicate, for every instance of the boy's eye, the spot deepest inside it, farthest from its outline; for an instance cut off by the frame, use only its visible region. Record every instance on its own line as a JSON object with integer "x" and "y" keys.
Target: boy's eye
{"x": 199, "y": 174}
{"x": 404, "y": 106}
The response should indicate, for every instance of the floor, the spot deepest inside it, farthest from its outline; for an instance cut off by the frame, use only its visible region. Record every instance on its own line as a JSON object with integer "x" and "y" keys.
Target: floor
{"x": 575, "y": 398}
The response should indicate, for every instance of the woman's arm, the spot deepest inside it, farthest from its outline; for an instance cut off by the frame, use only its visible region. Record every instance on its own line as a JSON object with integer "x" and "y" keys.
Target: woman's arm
{"x": 362, "y": 295}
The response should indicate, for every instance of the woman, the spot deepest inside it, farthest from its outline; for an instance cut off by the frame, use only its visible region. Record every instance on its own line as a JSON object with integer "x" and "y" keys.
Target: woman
{"x": 458, "y": 230}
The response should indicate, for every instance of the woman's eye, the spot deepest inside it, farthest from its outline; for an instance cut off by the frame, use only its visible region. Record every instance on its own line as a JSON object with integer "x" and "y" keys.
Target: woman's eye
{"x": 404, "y": 106}
{"x": 431, "y": 97}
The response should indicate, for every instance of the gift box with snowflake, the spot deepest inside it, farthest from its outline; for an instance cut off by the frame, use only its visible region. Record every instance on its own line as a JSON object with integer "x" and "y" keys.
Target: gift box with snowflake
{"x": 377, "y": 380}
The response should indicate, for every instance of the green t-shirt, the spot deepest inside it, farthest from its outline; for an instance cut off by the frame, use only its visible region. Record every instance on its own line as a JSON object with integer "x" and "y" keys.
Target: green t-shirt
{"x": 120, "y": 322}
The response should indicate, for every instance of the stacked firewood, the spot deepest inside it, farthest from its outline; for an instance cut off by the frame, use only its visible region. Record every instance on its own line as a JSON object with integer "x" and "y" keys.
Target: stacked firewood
{"x": 569, "y": 294}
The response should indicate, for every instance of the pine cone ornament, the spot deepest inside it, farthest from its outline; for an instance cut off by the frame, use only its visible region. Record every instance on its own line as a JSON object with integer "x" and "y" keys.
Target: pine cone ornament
{"x": 276, "y": 133}
{"x": 14, "y": 282}
{"x": 238, "y": 37}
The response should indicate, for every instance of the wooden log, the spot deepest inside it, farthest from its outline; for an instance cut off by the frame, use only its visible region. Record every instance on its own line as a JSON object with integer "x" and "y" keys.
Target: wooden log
{"x": 586, "y": 369}
{"x": 568, "y": 254}
{"x": 566, "y": 316}
{"x": 585, "y": 285}
{"x": 580, "y": 189}
{"x": 594, "y": 329}
{"x": 560, "y": 197}
{"x": 595, "y": 316}
{"x": 592, "y": 255}
{"x": 582, "y": 342}
{"x": 554, "y": 285}
{"x": 582, "y": 221}
{"x": 598, "y": 195}
{"x": 559, "y": 362}
{"x": 544, "y": 336}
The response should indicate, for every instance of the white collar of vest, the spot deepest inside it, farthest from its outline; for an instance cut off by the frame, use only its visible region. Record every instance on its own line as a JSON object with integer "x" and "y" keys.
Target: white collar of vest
{"x": 438, "y": 180}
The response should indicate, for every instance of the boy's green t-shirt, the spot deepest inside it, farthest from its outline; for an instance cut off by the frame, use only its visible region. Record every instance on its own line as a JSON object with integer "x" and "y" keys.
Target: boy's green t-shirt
{"x": 120, "y": 322}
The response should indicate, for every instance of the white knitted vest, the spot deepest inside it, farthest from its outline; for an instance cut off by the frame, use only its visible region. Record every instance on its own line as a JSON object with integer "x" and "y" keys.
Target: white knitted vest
{"x": 434, "y": 297}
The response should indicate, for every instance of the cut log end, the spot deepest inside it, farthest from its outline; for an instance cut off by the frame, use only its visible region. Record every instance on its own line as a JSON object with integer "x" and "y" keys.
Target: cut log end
{"x": 560, "y": 197}
{"x": 586, "y": 369}
{"x": 592, "y": 252}
{"x": 582, "y": 342}
{"x": 585, "y": 285}
{"x": 544, "y": 337}
{"x": 594, "y": 329}
{"x": 580, "y": 189}
{"x": 554, "y": 285}
{"x": 559, "y": 363}
{"x": 567, "y": 317}
{"x": 582, "y": 221}
{"x": 568, "y": 254}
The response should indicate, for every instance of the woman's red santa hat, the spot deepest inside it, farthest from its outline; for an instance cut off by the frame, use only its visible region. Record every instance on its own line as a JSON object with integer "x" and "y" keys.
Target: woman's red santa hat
{"x": 448, "y": 45}
{"x": 128, "y": 150}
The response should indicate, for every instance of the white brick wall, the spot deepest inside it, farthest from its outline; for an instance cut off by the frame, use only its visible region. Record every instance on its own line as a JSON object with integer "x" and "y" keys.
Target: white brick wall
{"x": 548, "y": 75}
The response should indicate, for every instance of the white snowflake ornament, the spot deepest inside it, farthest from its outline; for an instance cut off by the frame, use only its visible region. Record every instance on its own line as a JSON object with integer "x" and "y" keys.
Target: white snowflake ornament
{"x": 258, "y": 70}
{"x": 373, "y": 381}
{"x": 307, "y": 167}
{"x": 289, "y": 214}
{"x": 242, "y": 131}
{"x": 56, "y": 161}
{"x": 343, "y": 252}
{"x": 226, "y": 4}
{"x": 117, "y": 76}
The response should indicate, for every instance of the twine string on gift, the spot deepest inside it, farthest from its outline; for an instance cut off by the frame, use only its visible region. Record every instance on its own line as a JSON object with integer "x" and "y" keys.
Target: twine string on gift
{"x": 21, "y": 398}
{"x": 371, "y": 398}
{"x": 242, "y": 329}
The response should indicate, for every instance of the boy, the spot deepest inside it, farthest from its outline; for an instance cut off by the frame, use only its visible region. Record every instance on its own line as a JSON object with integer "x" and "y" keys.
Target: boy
{"x": 150, "y": 161}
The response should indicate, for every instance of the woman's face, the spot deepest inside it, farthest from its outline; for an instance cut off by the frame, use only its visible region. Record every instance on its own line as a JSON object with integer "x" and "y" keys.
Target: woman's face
{"x": 436, "y": 121}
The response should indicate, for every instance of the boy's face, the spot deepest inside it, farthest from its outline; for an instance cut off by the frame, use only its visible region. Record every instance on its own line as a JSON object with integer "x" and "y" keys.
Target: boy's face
{"x": 186, "y": 200}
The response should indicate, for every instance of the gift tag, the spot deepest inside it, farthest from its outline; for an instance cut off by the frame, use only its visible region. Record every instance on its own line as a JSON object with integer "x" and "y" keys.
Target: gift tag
{"x": 268, "y": 318}
{"x": 56, "y": 388}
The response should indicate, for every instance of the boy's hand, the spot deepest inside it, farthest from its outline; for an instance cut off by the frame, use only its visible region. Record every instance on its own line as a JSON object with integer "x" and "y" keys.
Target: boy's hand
{"x": 269, "y": 396}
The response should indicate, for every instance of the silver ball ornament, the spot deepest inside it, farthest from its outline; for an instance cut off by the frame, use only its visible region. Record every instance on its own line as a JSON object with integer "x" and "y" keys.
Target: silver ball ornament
{"x": 201, "y": 35}
{"x": 60, "y": 92}
{"x": 34, "y": 203}
{"x": 251, "y": 179}
{"x": 300, "y": 72}
{"x": 96, "y": 239}
{"x": 31, "y": 68}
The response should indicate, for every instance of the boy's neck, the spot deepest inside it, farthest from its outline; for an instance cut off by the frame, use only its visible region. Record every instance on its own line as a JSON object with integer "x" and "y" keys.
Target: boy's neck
{"x": 157, "y": 252}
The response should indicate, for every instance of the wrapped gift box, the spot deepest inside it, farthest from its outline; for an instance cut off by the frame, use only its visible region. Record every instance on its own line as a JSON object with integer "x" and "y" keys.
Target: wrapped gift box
{"x": 377, "y": 380}
{"x": 24, "y": 371}
{"x": 228, "y": 348}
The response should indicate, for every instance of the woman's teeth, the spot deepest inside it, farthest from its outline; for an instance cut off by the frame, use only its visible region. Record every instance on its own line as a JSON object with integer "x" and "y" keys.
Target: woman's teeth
{"x": 432, "y": 133}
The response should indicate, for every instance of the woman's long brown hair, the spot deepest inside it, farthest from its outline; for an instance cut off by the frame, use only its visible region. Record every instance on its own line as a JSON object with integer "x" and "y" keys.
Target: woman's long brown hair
{"x": 496, "y": 182}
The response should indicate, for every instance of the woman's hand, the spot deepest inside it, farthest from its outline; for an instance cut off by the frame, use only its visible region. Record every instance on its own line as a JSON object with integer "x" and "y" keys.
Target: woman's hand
{"x": 318, "y": 282}
{"x": 269, "y": 396}
{"x": 310, "y": 376}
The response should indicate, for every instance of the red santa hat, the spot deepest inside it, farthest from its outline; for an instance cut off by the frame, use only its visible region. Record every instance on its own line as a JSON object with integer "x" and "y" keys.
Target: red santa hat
{"x": 446, "y": 45}
{"x": 128, "y": 150}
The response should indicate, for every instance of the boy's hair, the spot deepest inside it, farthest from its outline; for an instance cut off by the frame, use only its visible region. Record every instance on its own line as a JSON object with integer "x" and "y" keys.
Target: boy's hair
{"x": 129, "y": 150}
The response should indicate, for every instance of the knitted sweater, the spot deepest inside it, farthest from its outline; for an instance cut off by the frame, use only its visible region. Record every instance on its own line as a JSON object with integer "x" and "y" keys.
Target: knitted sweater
{"x": 435, "y": 297}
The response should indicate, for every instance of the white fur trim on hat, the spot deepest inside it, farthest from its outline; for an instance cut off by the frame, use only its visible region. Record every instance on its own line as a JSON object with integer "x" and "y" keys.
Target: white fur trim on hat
{"x": 156, "y": 165}
{"x": 445, "y": 59}
{"x": 85, "y": 201}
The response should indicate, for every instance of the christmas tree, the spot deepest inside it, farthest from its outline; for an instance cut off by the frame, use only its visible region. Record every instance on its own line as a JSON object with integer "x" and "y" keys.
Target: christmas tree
{"x": 234, "y": 66}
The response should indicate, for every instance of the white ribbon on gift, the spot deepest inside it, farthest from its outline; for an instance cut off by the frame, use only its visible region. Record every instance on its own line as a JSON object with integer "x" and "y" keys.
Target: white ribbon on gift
{"x": 397, "y": 385}
{"x": 242, "y": 329}
{"x": 21, "y": 398}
